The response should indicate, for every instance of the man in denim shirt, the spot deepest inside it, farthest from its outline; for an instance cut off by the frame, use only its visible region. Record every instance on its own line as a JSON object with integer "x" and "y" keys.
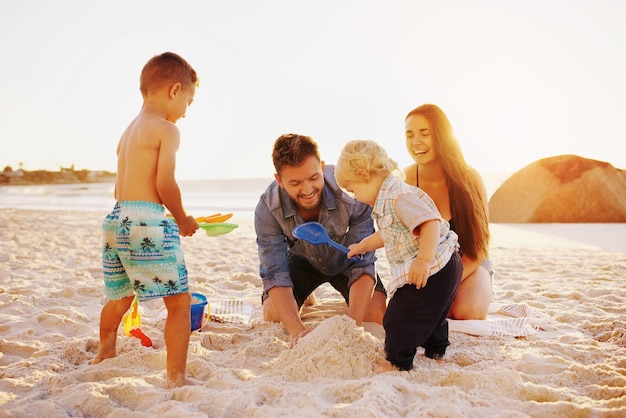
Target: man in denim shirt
{"x": 305, "y": 190}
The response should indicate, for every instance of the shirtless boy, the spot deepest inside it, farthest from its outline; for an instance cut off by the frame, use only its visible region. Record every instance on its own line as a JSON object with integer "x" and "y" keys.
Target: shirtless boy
{"x": 141, "y": 251}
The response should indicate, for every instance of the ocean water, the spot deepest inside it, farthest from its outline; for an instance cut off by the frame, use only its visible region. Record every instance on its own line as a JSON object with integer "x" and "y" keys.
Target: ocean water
{"x": 200, "y": 197}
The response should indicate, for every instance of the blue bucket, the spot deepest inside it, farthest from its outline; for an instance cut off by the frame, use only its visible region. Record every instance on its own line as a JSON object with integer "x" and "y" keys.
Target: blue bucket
{"x": 199, "y": 306}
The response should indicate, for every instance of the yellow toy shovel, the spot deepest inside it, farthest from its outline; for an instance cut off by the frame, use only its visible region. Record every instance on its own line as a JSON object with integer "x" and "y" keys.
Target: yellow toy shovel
{"x": 132, "y": 321}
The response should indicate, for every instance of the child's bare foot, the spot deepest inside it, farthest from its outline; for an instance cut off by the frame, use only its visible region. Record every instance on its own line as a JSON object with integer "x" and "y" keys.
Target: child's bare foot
{"x": 107, "y": 347}
{"x": 436, "y": 354}
{"x": 176, "y": 383}
{"x": 383, "y": 366}
{"x": 439, "y": 360}
{"x": 101, "y": 357}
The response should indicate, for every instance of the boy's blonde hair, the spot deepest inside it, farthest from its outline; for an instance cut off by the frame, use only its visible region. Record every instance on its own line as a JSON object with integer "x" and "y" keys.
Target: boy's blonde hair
{"x": 363, "y": 156}
{"x": 166, "y": 68}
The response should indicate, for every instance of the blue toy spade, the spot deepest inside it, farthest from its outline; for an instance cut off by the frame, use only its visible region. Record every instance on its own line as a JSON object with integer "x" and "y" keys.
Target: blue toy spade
{"x": 315, "y": 233}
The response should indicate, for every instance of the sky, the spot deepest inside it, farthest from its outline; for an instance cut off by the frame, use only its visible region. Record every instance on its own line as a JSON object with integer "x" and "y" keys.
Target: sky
{"x": 519, "y": 80}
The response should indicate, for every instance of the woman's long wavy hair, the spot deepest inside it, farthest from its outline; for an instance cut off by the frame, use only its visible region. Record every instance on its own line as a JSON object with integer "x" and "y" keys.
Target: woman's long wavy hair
{"x": 468, "y": 202}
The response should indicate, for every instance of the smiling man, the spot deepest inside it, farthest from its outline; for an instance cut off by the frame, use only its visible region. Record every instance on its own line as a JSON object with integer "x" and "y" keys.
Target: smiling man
{"x": 305, "y": 190}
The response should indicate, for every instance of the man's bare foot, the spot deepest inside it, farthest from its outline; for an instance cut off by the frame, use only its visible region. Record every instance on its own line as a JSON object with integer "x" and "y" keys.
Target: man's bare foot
{"x": 311, "y": 300}
{"x": 383, "y": 366}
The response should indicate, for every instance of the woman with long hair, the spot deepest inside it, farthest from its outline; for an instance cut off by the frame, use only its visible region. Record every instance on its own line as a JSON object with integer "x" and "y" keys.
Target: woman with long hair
{"x": 459, "y": 193}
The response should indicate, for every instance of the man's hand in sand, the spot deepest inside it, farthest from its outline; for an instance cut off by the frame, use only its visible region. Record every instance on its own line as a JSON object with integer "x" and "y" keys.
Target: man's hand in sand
{"x": 295, "y": 338}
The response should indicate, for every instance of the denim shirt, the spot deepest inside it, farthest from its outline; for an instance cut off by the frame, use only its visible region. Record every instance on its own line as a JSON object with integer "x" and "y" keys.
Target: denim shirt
{"x": 346, "y": 220}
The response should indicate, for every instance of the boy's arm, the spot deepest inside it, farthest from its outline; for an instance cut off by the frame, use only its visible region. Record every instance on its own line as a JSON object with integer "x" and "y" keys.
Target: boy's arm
{"x": 429, "y": 239}
{"x": 360, "y": 226}
{"x": 367, "y": 244}
{"x": 166, "y": 185}
{"x": 417, "y": 215}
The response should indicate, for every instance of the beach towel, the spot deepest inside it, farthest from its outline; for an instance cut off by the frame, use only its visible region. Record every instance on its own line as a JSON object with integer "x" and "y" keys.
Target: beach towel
{"x": 516, "y": 319}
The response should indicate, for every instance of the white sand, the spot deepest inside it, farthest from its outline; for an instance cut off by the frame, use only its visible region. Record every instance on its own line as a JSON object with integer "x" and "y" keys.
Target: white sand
{"x": 51, "y": 296}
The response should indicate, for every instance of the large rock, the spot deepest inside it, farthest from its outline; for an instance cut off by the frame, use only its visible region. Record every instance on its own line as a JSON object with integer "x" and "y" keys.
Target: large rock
{"x": 562, "y": 189}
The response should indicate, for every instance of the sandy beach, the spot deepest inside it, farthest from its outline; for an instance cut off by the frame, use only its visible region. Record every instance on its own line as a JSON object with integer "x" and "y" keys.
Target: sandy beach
{"x": 561, "y": 286}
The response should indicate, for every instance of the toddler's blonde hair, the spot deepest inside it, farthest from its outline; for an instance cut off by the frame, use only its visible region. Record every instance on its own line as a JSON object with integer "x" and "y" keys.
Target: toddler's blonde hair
{"x": 363, "y": 156}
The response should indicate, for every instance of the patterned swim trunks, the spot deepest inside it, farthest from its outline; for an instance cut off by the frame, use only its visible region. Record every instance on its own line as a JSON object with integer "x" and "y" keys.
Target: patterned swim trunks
{"x": 141, "y": 252}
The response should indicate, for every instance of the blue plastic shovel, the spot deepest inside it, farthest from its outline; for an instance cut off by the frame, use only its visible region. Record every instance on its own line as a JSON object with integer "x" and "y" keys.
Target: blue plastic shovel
{"x": 315, "y": 233}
